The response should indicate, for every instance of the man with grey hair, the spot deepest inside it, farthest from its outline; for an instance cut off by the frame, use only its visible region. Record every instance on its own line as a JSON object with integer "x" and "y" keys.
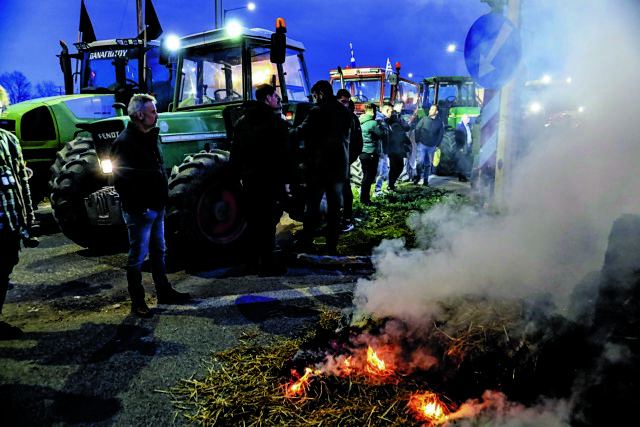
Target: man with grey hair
{"x": 141, "y": 182}
{"x": 16, "y": 213}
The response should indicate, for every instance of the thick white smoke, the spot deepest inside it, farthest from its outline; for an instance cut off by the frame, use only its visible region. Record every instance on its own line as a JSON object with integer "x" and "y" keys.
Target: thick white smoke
{"x": 562, "y": 198}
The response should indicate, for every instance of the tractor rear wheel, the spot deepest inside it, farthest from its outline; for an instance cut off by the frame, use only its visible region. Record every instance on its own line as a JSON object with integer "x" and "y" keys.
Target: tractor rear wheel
{"x": 205, "y": 212}
{"x": 448, "y": 155}
{"x": 76, "y": 175}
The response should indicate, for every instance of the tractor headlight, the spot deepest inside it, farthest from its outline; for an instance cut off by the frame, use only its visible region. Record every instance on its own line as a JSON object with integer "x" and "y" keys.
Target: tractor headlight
{"x": 106, "y": 166}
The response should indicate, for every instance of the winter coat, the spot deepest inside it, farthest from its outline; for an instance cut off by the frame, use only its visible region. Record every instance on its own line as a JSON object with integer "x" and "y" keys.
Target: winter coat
{"x": 326, "y": 133}
{"x": 399, "y": 143}
{"x": 261, "y": 148}
{"x": 430, "y": 131}
{"x": 138, "y": 170}
{"x": 372, "y": 135}
{"x": 355, "y": 141}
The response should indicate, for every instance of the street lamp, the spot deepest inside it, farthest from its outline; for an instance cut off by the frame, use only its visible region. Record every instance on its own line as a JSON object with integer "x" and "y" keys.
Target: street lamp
{"x": 451, "y": 47}
{"x": 250, "y": 6}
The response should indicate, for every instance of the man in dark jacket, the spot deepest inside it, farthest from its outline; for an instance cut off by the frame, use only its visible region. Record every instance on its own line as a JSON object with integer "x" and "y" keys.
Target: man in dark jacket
{"x": 355, "y": 148}
{"x": 429, "y": 134}
{"x": 259, "y": 155}
{"x": 141, "y": 182}
{"x": 399, "y": 143}
{"x": 325, "y": 132}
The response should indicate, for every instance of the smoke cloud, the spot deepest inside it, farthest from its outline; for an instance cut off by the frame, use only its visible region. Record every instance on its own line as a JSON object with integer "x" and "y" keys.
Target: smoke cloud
{"x": 561, "y": 199}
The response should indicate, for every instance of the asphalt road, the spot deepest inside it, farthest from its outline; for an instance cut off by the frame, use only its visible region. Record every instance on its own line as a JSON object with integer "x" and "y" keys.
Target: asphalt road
{"x": 85, "y": 360}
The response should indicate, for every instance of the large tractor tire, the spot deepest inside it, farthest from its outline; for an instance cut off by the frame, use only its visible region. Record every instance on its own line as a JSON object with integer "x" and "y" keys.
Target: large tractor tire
{"x": 75, "y": 176}
{"x": 448, "y": 155}
{"x": 204, "y": 214}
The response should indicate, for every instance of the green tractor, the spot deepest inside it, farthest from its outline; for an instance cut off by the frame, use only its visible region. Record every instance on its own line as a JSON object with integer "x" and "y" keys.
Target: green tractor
{"x": 215, "y": 73}
{"x": 109, "y": 73}
{"x": 454, "y": 96}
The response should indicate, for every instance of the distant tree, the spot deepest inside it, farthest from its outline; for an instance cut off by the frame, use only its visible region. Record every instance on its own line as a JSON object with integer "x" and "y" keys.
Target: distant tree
{"x": 17, "y": 85}
{"x": 47, "y": 88}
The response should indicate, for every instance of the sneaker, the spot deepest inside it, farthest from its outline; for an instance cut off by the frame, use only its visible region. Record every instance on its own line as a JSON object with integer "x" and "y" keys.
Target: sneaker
{"x": 347, "y": 225}
{"x": 8, "y": 332}
{"x": 171, "y": 296}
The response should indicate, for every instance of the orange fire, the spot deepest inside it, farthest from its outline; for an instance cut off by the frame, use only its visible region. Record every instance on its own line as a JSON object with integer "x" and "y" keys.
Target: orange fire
{"x": 428, "y": 407}
{"x": 375, "y": 364}
{"x": 297, "y": 388}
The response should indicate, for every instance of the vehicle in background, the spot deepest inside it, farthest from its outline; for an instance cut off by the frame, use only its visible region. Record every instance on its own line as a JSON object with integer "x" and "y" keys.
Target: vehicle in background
{"x": 107, "y": 73}
{"x": 454, "y": 96}
{"x": 374, "y": 84}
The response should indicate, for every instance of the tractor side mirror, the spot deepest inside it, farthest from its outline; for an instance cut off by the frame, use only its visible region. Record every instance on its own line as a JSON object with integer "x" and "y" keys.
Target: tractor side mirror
{"x": 279, "y": 42}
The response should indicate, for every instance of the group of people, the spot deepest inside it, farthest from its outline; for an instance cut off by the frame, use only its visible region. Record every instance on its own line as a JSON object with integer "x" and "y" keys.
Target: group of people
{"x": 262, "y": 156}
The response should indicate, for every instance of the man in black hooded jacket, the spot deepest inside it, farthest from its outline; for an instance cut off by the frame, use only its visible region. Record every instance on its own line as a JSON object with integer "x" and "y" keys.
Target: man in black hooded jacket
{"x": 259, "y": 156}
{"x": 326, "y": 133}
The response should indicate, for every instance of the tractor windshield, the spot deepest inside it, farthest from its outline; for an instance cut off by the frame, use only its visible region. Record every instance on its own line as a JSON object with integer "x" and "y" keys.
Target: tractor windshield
{"x": 408, "y": 94}
{"x": 210, "y": 77}
{"x": 263, "y": 71}
{"x": 362, "y": 90}
{"x": 101, "y": 65}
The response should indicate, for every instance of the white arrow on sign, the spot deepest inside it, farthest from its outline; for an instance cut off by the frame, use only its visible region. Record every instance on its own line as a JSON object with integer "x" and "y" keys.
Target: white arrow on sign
{"x": 485, "y": 66}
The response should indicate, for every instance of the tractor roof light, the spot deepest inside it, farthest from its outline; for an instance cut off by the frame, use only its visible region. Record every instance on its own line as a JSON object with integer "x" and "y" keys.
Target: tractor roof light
{"x": 130, "y": 42}
{"x": 234, "y": 29}
{"x": 173, "y": 42}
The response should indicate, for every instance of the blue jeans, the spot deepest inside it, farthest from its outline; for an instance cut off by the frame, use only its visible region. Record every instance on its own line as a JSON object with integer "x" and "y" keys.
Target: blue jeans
{"x": 146, "y": 236}
{"x": 425, "y": 155}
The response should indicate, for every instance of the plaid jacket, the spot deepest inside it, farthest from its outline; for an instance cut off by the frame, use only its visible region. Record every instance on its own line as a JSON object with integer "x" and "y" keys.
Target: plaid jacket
{"x": 16, "y": 211}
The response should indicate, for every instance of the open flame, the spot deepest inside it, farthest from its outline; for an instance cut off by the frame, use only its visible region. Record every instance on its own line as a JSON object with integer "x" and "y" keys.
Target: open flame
{"x": 428, "y": 407}
{"x": 374, "y": 363}
{"x": 297, "y": 388}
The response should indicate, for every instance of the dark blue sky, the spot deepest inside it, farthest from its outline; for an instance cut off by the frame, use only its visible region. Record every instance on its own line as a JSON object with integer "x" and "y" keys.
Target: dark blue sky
{"x": 413, "y": 32}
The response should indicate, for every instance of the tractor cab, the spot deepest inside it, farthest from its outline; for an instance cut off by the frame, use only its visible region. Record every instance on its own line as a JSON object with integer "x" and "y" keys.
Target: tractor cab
{"x": 120, "y": 67}
{"x": 374, "y": 84}
{"x": 454, "y": 96}
{"x": 217, "y": 69}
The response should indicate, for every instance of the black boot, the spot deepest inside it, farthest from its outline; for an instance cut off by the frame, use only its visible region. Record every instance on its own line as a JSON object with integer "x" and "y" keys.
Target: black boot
{"x": 168, "y": 295}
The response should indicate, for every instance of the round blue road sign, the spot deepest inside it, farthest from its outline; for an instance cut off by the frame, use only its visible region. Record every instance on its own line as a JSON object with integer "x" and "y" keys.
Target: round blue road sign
{"x": 492, "y": 50}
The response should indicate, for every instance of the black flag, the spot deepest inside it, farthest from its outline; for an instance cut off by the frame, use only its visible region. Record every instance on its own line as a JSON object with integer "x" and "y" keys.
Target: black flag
{"x": 86, "y": 28}
{"x": 151, "y": 22}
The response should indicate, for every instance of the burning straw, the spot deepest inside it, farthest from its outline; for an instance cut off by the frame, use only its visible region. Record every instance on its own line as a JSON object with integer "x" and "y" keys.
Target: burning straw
{"x": 256, "y": 385}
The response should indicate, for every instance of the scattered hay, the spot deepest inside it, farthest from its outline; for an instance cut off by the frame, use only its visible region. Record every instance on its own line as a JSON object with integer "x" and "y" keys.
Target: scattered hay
{"x": 248, "y": 388}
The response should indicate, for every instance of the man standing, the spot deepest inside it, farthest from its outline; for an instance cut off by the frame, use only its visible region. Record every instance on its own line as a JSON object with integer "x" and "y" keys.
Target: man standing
{"x": 399, "y": 143}
{"x": 372, "y": 136}
{"x": 16, "y": 213}
{"x": 464, "y": 144}
{"x": 355, "y": 148}
{"x": 259, "y": 156}
{"x": 429, "y": 134}
{"x": 141, "y": 182}
{"x": 325, "y": 132}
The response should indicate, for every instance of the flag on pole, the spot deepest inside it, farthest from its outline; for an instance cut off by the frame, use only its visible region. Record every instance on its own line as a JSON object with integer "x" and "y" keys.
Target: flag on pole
{"x": 86, "y": 28}
{"x": 151, "y": 22}
{"x": 352, "y": 63}
{"x": 388, "y": 70}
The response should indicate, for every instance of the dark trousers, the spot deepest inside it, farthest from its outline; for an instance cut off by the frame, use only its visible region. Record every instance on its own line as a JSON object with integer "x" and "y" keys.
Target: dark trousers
{"x": 369, "y": 170}
{"x": 396, "y": 164}
{"x": 312, "y": 219}
{"x": 9, "y": 257}
{"x": 263, "y": 215}
{"x": 347, "y": 200}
